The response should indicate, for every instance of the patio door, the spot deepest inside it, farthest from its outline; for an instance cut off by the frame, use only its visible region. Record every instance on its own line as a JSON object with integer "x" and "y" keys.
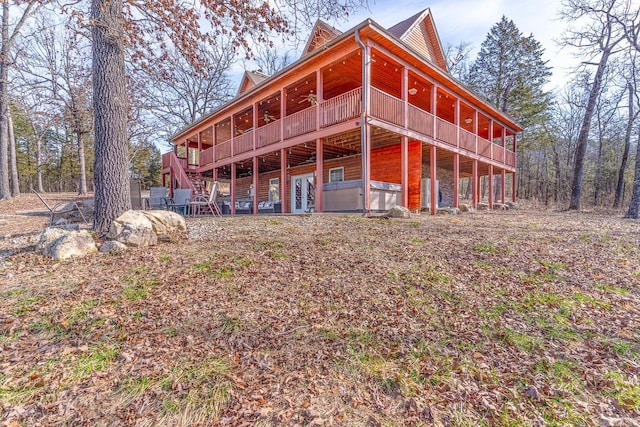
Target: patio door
{"x": 303, "y": 193}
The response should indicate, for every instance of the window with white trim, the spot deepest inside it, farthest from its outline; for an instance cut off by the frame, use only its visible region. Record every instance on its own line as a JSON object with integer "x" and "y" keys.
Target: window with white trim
{"x": 336, "y": 174}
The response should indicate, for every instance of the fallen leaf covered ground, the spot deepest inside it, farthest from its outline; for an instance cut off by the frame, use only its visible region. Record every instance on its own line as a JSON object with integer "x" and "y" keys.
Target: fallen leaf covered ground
{"x": 494, "y": 318}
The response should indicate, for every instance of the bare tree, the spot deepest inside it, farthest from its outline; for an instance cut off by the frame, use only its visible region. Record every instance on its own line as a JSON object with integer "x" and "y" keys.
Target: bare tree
{"x": 8, "y": 36}
{"x": 632, "y": 115}
{"x": 601, "y": 36}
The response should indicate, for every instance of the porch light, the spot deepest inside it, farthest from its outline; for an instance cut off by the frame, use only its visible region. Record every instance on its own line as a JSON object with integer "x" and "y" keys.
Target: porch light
{"x": 413, "y": 91}
{"x": 468, "y": 120}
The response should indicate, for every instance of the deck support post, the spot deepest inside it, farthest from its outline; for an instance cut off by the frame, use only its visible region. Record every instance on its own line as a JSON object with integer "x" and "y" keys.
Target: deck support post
{"x": 214, "y": 172}
{"x": 490, "y": 179}
{"x": 474, "y": 184}
{"x": 233, "y": 188}
{"x": 283, "y": 180}
{"x": 434, "y": 195}
{"x": 367, "y": 174}
{"x": 456, "y": 179}
{"x": 319, "y": 174}
{"x": 513, "y": 187}
{"x": 255, "y": 172}
{"x": 503, "y": 178}
{"x": 199, "y": 148}
{"x": 404, "y": 170}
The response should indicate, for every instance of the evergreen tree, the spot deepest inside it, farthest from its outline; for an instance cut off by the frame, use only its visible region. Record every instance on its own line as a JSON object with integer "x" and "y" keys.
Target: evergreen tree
{"x": 510, "y": 72}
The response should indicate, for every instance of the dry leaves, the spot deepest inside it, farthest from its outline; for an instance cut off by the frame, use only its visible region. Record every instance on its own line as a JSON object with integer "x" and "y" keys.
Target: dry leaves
{"x": 499, "y": 318}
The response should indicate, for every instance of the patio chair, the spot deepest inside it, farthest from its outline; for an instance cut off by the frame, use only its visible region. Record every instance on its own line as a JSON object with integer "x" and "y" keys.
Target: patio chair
{"x": 135, "y": 188}
{"x": 157, "y": 198}
{"x": 180, "y": 201}
{"x": 210, "y": 202}
{"x": 62, "y": 209}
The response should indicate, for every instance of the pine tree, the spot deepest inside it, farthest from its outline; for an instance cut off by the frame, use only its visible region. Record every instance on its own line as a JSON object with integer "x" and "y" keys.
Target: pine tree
{"x": 510, "y": 72}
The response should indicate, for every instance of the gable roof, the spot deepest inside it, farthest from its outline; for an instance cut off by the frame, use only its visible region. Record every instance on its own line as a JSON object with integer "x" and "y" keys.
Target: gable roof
{"x": 251, "y": 79}
{"x": 321, "y": 34}
{"x": 419, "y": 32}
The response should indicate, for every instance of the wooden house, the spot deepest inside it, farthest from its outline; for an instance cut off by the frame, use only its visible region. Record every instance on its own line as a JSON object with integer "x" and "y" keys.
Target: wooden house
{"x": 364, "y": 120}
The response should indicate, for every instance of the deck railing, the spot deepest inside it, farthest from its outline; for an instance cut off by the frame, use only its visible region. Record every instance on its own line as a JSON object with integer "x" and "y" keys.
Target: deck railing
{"x": 347, "y": 106}
{"x": 268, "y": 134}
{"x": 300, "y": 123}
{"x": 420, "y": 120}
{"x": 467, "y": 140}
{"x": 387, "y": 107}
{"x": 178, "y": 172}
{"x": 206, "y": 156}
{"x": 498, "y": 153}
{"x": 223, "y": 150}
{"x": 341, "y": 108}
{"x": 243, "y": 143}
{"x": 446, "y": 131}
{"x": 484, "y": 147}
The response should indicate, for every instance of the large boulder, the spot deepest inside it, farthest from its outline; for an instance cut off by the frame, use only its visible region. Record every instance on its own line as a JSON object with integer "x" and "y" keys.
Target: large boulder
{"x": 466, "y": 208}
{"x": 165, "y": 223}
{"x": 63, "y": 244}
{"x": 133, "y": 228}
{"x": 399, "y": 212}
{"x": 144, "y": 228}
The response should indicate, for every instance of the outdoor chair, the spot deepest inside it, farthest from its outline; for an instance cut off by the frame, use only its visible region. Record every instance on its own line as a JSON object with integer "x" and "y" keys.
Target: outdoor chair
{"x": 180, "y": 201}
{"x": 210, "y": 202}
{"x": 61, "y": 209}
{"x": 157, "y": 198}
{"x": 135, "y": 189}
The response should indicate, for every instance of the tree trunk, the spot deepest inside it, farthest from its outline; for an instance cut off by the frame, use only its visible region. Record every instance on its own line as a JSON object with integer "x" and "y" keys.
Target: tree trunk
{"x": 82, "y": 179}
{"x": 39, "y": 163}
{"x": 15, "y": 180}
{"x": 625, "y": 154}
{"x": 110, "y": 112}
{"x": 5, "y": 190}
{"x": 634, "y": 206}
{"x": 583, "y": 136}
{"x": 597, "y": 183}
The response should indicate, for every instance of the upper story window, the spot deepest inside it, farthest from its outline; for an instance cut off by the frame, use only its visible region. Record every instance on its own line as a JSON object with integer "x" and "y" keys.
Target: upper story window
{"x": 336, "y": 174}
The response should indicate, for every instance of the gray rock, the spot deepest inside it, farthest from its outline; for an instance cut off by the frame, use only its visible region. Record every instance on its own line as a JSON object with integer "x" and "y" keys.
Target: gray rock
{"x": 448, "y": 211}
{"x": 500, "y": 207}
{"x": 113, "y": 246}
{"x": 63, "y": 244}
{"x": 466, "y": 208}
{"x": 399, "y": 212}
{"x": 512, "y": 205}
{"x": 48, "y": 236}
{"x": 133, "y": 228}
{"x": 482, "y": 206}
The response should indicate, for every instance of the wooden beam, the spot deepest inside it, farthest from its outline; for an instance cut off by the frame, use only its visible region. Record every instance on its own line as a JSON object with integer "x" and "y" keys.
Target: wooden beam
{"x": 319, "y": 174}
{"x": 283, "y": 179}
{"x": 503, "y": 178}
{"x": 404, "y": 170}
{"x": 456, "y": 179}
{"x": 474, "y": 183}
{"x": 233, "y": 188}
{"x": 256, "y": 173}
{"x": 433, "y": 176}
{"x": 513, "y": 187}
{"x": 490, "y": 178}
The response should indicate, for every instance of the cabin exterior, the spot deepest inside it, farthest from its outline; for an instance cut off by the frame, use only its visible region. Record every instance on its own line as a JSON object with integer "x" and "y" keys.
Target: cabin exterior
{"x": 363, "y": 121}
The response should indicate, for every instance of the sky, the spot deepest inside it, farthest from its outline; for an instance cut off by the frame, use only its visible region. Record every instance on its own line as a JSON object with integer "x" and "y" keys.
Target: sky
{"x": 470, "y": 21}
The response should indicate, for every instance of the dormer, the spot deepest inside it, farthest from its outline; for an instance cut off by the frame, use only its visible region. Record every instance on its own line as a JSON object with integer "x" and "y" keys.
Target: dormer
{"x": 250, "y": 79}
{"x": 419, "y": 32}
{"x": 321, "y": 34}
